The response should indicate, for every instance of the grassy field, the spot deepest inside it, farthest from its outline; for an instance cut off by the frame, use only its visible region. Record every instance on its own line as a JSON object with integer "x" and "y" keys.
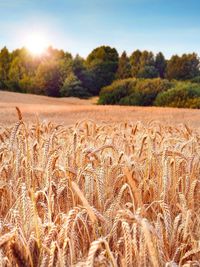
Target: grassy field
{"x": 70, "y": 110}
{"x": 95, "y": 193}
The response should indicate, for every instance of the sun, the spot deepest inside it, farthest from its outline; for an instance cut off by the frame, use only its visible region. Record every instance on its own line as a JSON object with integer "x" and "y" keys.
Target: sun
{"x": 36, "y": 43}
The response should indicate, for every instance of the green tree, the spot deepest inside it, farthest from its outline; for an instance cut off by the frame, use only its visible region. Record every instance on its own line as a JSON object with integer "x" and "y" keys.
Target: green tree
{"x": 135, "y": 62}
{"x": 65, "y": 65}
{"x": 5, "y": 60}
{"x": 147, "y": 59}
{"x": 48, "y": 78}
{"x": 182, "y": 95}
{"x": 124, "y": 67}
{"x": 74, "y": 87}
{"x": 161, "y": 64}
{"x": 184, "y": 67}
{"x": 55, "y": 54}
{"x": 22, "y": 71}
{"x": 143, "y": 64}
{"x": 78, "y": 66}
{"x": 148, "y": 72}
{"x": 102, "y": 64}
{"x": 16, "y": 73}
{"x": 84, "y": 74}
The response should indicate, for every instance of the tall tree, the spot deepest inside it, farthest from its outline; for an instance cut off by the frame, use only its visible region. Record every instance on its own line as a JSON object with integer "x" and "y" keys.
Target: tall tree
{"x": 65, "y": 66}
{"x": 5, "y": 60}
{"x": 102, "y": 64}
{"x": 22, "y": 71}
{"x": 54, "y": 53}
{"x": 78, "y": 66}
{"x": 160, "y": 64}
{"x": 124, "y": 67}
{"x": 143, "y": 64}
{"x": 184, "y": 67}
{"x": 74, "y": 87}
{"x": 17, "y": 70}
{"x": 147, "y": 59}
{"x": 83, "y": 73}
{"x": 135, "y": 62}
{"x": 147, "y": 72}
{"x": 48, "y": 78}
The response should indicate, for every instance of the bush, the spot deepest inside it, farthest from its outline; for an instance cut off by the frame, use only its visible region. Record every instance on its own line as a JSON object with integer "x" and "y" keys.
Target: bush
{"x": 113, "y": 93}
{"x": 134, "y": 99}
{"x": 140, "y": 92}
{"x": 183, "y": 95}
{"x": 149, "y": 92}
{"x": 3, "y": 86}
{"x": 149, "y": 89}
{"x": 196, "y": 79}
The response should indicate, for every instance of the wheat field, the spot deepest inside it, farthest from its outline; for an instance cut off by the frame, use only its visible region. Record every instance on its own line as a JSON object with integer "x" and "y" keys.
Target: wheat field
{"x": 68, "y": 111}
{"x": 96, "y": 194}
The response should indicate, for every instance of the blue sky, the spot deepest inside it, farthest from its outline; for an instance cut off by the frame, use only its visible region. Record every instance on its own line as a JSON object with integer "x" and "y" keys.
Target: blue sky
{"x": 78, "y": 26}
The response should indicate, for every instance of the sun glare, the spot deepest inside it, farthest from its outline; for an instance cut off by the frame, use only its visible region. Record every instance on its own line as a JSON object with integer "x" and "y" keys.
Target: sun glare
{"x": 36, "y": 43}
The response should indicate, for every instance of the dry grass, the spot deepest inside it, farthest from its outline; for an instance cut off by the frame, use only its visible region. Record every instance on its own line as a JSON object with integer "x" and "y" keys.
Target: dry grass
{"x": 68, "y": 111}
{"x": 95, "y": 194}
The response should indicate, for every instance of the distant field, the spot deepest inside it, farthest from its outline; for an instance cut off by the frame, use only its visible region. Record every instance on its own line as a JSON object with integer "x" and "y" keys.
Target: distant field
{"x": 71, "y": 110}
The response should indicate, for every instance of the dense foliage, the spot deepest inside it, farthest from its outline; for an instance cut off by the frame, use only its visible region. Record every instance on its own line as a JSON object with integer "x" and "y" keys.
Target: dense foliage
{"x": 57, "y": 73}
{"x": 185, "y": 95}
{"x": 140, "y": 92}
{"x": 150, "y": 92}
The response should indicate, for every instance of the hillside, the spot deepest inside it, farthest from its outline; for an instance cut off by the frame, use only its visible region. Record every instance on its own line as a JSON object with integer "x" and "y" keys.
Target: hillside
{"x": 71, "y": 110}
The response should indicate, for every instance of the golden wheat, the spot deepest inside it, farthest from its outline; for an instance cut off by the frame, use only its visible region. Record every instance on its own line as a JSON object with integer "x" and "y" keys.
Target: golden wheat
{"x": 118, "y": 194}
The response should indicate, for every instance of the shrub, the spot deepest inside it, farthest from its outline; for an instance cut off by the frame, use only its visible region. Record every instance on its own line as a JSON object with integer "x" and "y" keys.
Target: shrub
{"x": 134, "y": 99}
{"x": 140, "y": 92}
{"x": 113, "y": 93}
{"x": 183, "y": 95}
{"x": 3, "y": 86}
{"x": 149, "y": 89}
{"x": 149, "y": 92}
{"x": 196, "y": 79}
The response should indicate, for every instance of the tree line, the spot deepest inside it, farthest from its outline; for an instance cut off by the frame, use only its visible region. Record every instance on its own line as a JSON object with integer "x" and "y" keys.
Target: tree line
{"x": 58, "y": 73}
